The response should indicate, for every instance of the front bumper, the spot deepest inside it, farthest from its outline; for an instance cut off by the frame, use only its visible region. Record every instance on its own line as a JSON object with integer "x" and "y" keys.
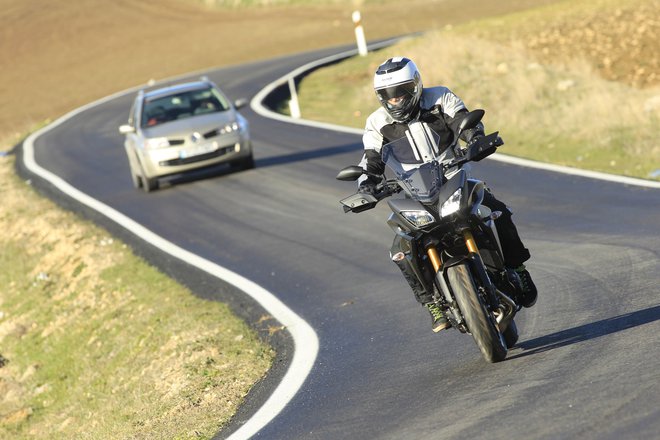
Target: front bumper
{"x": 172, "y": 160}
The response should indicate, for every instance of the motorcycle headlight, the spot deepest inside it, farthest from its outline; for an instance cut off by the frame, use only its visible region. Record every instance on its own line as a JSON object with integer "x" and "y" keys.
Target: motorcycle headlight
{"x": 418, "y": 218}
{"x": 452, "y": 204}
{"x": 160, "y": 142}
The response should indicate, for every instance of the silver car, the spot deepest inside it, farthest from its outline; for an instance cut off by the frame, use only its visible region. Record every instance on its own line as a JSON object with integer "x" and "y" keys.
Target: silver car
{"x": 182, "y": 127}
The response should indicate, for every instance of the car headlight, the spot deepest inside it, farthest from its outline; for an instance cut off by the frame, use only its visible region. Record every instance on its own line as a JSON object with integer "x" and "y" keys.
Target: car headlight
{"x": 452, "y": 204}
{"x": 418, "y": 218}
{"x": 229, "y": 128}
{"x": 160, "y": 142}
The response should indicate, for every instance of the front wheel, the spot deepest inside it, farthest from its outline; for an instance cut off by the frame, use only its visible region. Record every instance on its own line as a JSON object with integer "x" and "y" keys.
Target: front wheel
{"x": 479, "y": 321}
{"x": 511, "y": 334}
{"x": 243, "y": 165}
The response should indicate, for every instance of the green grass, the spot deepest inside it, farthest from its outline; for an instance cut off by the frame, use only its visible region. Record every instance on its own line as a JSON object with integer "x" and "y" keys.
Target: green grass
{"x": 98, "y": 344}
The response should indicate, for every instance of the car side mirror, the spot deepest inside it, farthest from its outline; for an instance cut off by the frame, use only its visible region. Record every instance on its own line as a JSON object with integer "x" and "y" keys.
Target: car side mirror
{"x": 350, "y": 173}
{"x": 126, "y": 129}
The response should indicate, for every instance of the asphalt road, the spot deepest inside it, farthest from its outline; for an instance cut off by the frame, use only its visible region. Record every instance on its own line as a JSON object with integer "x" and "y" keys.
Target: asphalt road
{"x": 586, "y": 365}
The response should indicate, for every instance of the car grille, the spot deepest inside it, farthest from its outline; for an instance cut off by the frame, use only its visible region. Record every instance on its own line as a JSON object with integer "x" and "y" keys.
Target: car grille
{"x": 212, "y": 133}
{"x": 208, "y": 134}
{"x": 199, "y": 158}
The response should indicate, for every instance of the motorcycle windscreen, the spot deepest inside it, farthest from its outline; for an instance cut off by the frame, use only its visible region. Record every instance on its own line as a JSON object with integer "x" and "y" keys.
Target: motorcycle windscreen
{"x": 421, "y": 179}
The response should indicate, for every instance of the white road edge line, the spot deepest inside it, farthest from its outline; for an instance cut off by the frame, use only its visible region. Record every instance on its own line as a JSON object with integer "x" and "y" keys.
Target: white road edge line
{"x": 306, "y": 343}
{"x": 258, "y": 107}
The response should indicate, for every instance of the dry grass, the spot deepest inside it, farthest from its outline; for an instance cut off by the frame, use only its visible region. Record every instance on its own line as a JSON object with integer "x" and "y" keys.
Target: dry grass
{"x": 565, "y": 113}
{"x": 618, "y": 39}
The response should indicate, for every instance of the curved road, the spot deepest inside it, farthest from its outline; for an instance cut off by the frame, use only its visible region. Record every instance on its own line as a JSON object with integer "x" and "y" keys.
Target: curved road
{"x": 586, "y": 365}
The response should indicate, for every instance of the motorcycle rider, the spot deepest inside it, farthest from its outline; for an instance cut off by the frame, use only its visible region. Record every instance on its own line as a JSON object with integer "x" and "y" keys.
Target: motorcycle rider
{"x": 403, "y": 99}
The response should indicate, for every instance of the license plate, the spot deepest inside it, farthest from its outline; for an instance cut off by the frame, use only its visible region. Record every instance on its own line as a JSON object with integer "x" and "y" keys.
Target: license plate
{"x": 196, "y": 150}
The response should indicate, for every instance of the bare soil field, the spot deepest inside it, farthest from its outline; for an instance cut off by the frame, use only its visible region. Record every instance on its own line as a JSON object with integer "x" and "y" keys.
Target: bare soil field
{"x": 60, "y": 55}
{"x": 619, "y": 39}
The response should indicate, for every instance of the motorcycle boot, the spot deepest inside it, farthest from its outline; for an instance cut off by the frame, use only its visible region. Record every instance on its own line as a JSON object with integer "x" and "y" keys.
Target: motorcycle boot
{"x": 529, "y": 288}
{"x": 439, "y": 320}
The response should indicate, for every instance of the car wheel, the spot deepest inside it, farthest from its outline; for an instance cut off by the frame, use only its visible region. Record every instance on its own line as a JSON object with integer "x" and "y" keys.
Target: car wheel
{"x": 135, "y": 177}
{"x": 149, "y": 184}
{"x": 245, "y": 164}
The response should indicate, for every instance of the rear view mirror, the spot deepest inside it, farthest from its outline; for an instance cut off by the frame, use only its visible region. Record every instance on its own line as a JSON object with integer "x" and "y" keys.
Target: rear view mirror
{"x": 471, "y": 120}
{"x": 350, "y": 173}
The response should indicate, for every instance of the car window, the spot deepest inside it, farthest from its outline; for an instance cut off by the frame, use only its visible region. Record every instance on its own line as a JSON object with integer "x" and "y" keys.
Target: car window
{"x": 182, "y": 105}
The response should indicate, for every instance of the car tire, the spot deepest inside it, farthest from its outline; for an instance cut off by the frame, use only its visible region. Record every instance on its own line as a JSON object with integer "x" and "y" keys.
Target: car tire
{"x": 149, "y": 185}
{"x": 135, "y": 177}
{"x": 244, "y": 164}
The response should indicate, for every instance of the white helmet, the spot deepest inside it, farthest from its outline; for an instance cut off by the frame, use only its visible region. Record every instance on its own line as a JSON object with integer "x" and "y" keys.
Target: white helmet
{"x": 398, "y": 78}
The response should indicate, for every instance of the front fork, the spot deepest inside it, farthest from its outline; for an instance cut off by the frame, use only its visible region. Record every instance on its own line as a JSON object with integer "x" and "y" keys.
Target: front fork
{"x": 504, "y": 309}
{"x": 434, "y": 255}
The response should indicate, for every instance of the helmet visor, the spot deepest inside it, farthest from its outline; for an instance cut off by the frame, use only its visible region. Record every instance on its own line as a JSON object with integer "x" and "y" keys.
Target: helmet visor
{"x": 405, "y": 90}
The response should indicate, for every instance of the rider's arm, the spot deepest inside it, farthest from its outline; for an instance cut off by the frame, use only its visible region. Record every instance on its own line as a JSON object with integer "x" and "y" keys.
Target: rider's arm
{"x": 453, "y": 110}
{"x": 373, "y": 140}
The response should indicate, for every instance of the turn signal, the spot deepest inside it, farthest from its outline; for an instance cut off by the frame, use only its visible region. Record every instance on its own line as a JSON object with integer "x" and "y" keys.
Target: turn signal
{"x": 398, "y": 256}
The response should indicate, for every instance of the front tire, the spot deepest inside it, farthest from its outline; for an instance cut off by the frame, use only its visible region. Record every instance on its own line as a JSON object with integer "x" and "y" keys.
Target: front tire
{"x": 148, "y": 184}
{"x": 479, "y": 321}
{"x": 244, "y": 164}
{"x": 135, "y": 177}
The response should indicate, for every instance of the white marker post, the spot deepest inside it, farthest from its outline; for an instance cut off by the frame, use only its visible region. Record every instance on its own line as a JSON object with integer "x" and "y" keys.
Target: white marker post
{"x": 294, "y": 107}
{"x": 359, "y": 34}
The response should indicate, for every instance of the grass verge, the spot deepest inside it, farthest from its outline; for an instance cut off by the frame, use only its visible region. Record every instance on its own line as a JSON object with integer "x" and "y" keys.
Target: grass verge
{"x": 98, "y": 344}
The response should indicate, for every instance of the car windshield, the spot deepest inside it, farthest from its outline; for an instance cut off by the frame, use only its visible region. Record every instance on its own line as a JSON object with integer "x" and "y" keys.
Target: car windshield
{"x": 162, "y": 109}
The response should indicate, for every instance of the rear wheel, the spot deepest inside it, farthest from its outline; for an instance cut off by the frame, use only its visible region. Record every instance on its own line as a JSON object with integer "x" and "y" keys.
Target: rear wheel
{"x": 479, "y": 321}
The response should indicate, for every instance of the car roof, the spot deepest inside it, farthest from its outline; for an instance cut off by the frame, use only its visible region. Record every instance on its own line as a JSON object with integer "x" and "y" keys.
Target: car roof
{"x": 176, "y": 88}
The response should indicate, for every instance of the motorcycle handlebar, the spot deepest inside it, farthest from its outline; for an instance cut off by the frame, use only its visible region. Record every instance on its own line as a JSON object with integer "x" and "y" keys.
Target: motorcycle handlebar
{"x": 481, "y": 148}
{"x": 386, "y": 189}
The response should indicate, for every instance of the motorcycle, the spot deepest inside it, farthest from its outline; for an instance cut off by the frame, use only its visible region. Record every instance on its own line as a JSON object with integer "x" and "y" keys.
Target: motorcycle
{"x": 444, "y": 235}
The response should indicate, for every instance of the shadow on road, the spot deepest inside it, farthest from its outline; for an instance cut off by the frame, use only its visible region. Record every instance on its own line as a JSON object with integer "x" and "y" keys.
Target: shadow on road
{"x": 588, "y": 331}
{"x": 309, "y": 155}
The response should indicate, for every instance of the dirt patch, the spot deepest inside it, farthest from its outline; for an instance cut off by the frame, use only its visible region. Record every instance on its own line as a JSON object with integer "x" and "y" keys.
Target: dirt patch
{"x": 619, "y": 39}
